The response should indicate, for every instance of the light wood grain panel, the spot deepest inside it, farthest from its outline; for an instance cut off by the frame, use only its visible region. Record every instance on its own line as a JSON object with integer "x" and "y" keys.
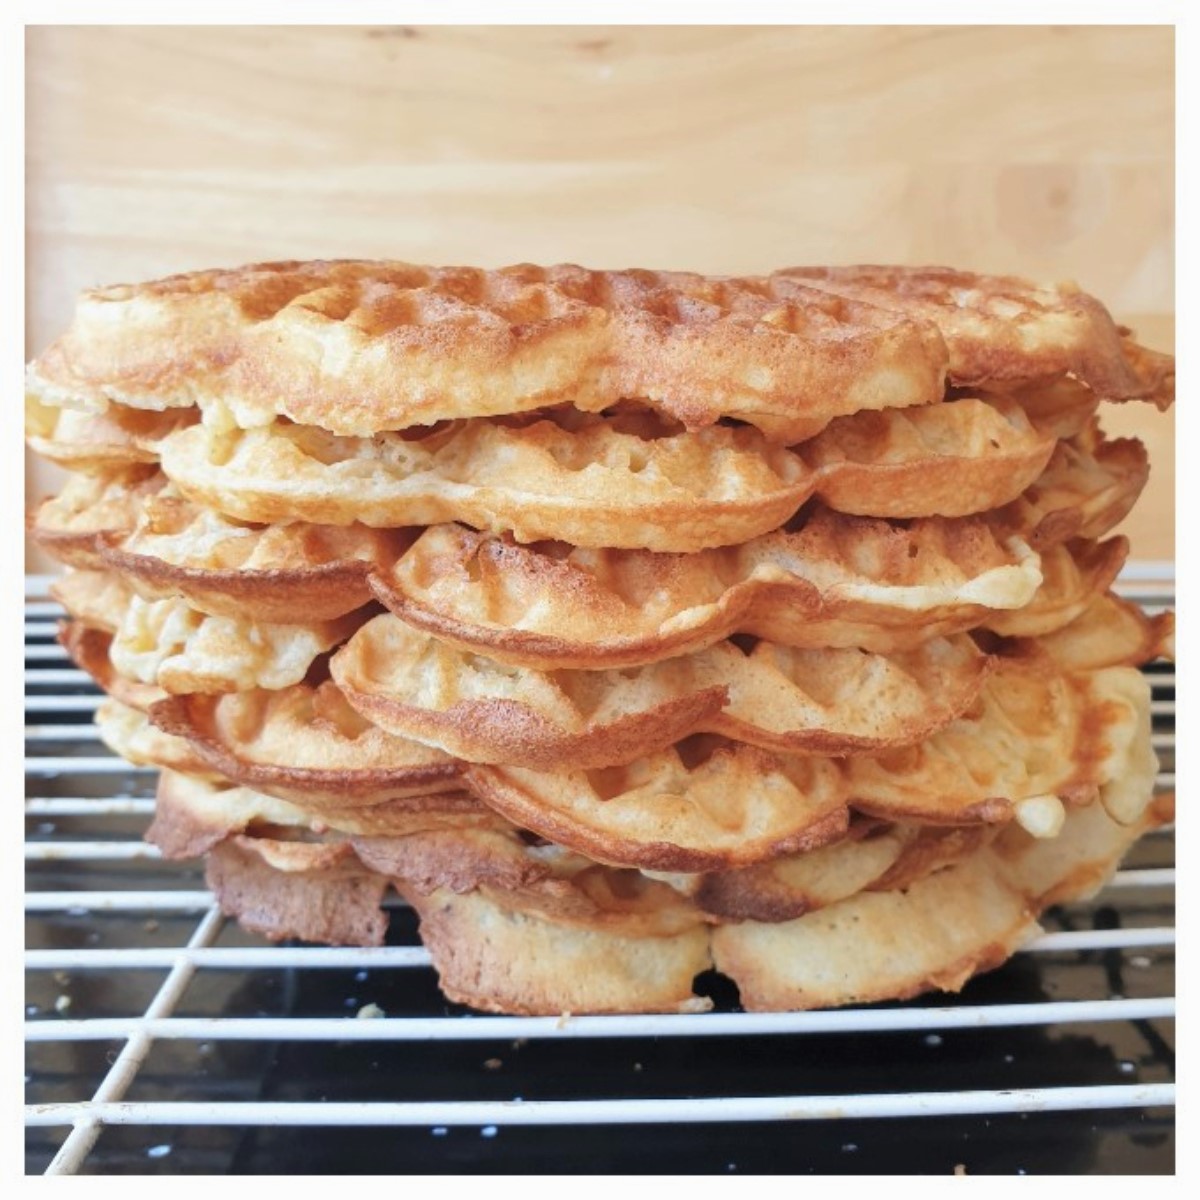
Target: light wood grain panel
{"x": 1042, "y": 151}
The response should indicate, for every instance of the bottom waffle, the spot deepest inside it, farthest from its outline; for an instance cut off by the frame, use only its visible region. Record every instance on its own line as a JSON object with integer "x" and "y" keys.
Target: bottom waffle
{"x": 514, "y": 924}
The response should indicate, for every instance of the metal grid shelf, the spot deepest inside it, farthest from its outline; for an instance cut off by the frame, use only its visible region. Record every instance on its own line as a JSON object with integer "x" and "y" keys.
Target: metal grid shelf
{"x": 161, "y": 1038}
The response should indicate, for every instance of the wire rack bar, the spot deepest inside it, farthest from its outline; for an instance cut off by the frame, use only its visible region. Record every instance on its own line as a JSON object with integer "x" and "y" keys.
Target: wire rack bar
{"x": 83, "y": 902}
{"x": 73, "y": 806}
{"x": 43, "y": 608}
{"x": 52, "y": 653}
{"x": 116, "y": 851}
{"x": 616, "y": 1112}
{"x": 1156, "y": 877}
{"x": 60, "y": 675}
{"x": 341, "y": 957}
{"x": 56, "y": 704}
{"x": 81, "y": 765}
{"x": 388, "y": 1029}
{"x": 62, "y": 733}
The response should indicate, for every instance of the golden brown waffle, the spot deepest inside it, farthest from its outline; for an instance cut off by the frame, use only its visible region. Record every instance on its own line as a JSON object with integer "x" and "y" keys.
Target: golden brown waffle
{"x": 619, "y": 481}
{"x": 269, "y": 574}
{"x": 702, "y": 805}
{"x": 1088, "y": 488}
{"x": 835, "y": 581}
{"x": 871, "y": 857}
{"x": 89, "y": 648}
{"x": 590, "y": 485}
{"x": 1109, "y": 632}
{"x": 169, "y": 645}
{"x": 193, "y": 814}
{"x": 788, "y": 700}
{"x": 1038, "y": 738}
{"x": 950, "y": 460}
{"x": 128, "y": 734}
{"x": 278, "y": 882}
{"x": 428, "y": 843}
{"x": 75, "y": 524}
{"x": 493, "y": 955}
{"x": 1040, "y": 734}
{"x": 175, "y": 647}
{"x": 1073, "y": 575}
{"x": 612, "y": 481}
{"x": 937, "y": 933}
{"x": 306, "y": 745}
{"x": 538, "y": 879}
{"x": 360, "y": 347}
{"x": 450, "y": 842}
{"x": 294, "y": 889}
{"x": 1003, "y": 330}
{"x": 491, "y": 951}
{"x": 1062, "y": 409}
{"x": 97, "y": 598}
{"x": 98, "y": 443}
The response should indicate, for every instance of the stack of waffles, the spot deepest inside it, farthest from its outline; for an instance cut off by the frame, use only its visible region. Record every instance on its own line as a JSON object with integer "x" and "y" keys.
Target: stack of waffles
{"x": 626, "y": 624}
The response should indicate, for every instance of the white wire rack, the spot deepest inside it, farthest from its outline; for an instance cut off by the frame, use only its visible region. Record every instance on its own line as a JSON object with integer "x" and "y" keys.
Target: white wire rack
{"x": 88, "y": 867}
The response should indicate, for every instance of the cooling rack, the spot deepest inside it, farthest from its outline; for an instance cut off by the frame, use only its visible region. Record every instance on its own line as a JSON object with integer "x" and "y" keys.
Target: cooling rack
{"x": 163, "y": 1039}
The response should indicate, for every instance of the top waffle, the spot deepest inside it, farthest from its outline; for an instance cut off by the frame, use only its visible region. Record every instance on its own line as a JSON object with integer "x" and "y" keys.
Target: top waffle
{"x": 1003, "y": 331}
{"x": 361, "y": 347}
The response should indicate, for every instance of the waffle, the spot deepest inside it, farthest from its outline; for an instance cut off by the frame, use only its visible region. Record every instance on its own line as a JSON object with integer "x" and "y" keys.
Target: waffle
{"x": 1109, "y": 632}
{"x": 98, "y": 443}
{"x": 427, "y": 844}
{"x": 836, "y": 581}
{"x": 832, "y": 581}
{"x": 611, "y": 481}
{"x": 539, "y": 880}
{"x": 304, "y": 744}
{"x": 1040, "y": 734}
{"x": 448, "y": 842}
{"x": 937, "y": 933}
{"x": 75, "y": 524}
{"x": 88, "y": 647}
{"x": 331, "y": 890}
{"x": 1088, "y": 488}
{"x": 871, "y": 857}
{"x": 792, "y": 701}
{"x": 1037, "y": 739}
{"x": 266, "y": 574}
{"x": 96, "y": 598}
{"x": 193, "y": 814}
{"x": 129, "y": 735}
{"x": 493, "y": 956}
{"x": 290, "y": 889}
{"x": 170, "y": 645}
{"x": 590, "y": 485}
{"x": 1062, "y": 409}
{"x": 1073, "y": 575}
{"x": 489, "y": 954}
{"x": 1000, "y": 330}
{"x": 359, "y": 347}
{"x": 761, "y": 623}
{"x": 950, "y": 459}
{"x": 493, "y": 953}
